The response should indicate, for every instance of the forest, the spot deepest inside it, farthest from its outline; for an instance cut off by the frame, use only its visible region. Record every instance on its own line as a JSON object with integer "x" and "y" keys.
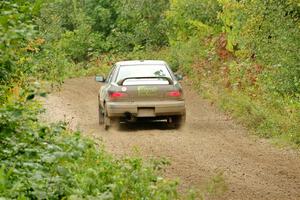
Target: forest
{"x": 243, "y": 55}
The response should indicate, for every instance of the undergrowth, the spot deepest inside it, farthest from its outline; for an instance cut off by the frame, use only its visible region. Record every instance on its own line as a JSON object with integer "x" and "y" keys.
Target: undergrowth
{"x": 239, "y": 87}
{"x": 42, "y": 161}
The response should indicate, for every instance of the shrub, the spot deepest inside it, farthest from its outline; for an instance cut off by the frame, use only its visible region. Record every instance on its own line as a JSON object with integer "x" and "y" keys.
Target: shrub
{"x": 267, "y": 31}
{"x": 40, "y": 161}
{"x": 139, "y": 24}
{"x": 191, "y": 18}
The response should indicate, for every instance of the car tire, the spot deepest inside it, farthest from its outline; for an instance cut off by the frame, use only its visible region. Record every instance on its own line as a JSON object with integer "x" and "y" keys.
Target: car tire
{"x": 106, "y": 120}
{"x": 176, "y": 122}
{"x": 101, "y": 115}
{"x": 180, "y": 121}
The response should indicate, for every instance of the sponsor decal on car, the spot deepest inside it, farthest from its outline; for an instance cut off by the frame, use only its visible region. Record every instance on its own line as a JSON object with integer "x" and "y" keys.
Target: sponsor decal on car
{"x": 124, "y": 89}
{"x": 146, "y": 91}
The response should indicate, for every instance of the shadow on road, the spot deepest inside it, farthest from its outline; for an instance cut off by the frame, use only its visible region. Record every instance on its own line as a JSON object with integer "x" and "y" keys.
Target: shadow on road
{"x": 143, "y": 125}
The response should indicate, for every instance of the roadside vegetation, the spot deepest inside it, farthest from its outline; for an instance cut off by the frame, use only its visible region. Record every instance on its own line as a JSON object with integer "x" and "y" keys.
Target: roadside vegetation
{"x": 243, "y": 55}
{"x": 47, "y": 161}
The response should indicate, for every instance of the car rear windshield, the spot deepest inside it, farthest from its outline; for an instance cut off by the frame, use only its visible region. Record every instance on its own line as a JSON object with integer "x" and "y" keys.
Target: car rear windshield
{"x": 129, "y": 71}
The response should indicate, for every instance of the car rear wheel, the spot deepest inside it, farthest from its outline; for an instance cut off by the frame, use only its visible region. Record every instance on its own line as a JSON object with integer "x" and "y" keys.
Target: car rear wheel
{"x": 176, "y": 122}
{"x": 101, "y": 116}
{"x": 106, "y": 120}
{"x": 110, "y": 121}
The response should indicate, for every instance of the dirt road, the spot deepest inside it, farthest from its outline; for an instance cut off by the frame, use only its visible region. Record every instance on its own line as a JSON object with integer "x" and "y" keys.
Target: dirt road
{"x": 210, "y": 142}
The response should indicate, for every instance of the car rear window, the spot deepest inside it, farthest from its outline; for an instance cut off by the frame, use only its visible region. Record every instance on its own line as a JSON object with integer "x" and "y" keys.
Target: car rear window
{"x": 128, "y": 71}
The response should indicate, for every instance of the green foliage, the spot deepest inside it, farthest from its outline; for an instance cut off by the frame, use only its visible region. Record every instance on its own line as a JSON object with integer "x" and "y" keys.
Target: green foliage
{"x": 233, "y": 20}
{"x": 217, "y": 185}
{"x": 15, "y": 28}
{"x": 53, "y": 40}
{"x": 235, "y": 86}
{"x": 49, "y": 41}
{"x": 103, "y": 14}
{"x": 40, "y": 161}
{"x": 80, "y": 43}
{"x": 269, "y": 32}
{"x": 251, "y": 71}
{"x": 101, "y": 26}
{"x": 264, "y": 119}
{"x": 192, "y": 18}
{"x": 51, "y": 65}
{"x": 139, "y": 24}
{"x": 69, "y": 31}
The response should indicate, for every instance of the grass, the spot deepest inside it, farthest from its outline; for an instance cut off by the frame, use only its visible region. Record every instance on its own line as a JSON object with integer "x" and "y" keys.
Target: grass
{"x": 214, "y": 187}
{"x": 266, "y": 114}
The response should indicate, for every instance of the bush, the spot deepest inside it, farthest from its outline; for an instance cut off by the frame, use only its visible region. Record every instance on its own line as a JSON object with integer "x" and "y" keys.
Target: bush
{"x": 192, "y": 18}
{"x": 16, "y": 28}
{"x": 79, "y": 44}
{"x": 139, "y": 25}
{"x": 40, "y": 161}
{"x": 267, "y": 31}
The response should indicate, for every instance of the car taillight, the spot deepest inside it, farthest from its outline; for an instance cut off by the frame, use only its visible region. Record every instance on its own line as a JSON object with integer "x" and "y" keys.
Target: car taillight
{"x": 175, "y": 93}
{"x": 117, "y": 95}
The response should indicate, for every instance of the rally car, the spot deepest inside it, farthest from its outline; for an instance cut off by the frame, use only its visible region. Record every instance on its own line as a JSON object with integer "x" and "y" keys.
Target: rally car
{"x": 141, "y": 89}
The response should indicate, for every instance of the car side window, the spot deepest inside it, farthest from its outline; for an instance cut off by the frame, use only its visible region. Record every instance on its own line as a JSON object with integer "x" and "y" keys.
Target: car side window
{"x": 109, "y": 78}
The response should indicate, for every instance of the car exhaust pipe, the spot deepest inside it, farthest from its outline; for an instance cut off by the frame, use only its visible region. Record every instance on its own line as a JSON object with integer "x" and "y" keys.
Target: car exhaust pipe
{"x": 129, "y": 117}
{"x": 169, "y": 120}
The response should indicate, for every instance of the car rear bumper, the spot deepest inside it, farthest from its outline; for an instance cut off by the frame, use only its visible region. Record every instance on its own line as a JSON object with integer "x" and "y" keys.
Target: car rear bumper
{"x": 145, "y": 109}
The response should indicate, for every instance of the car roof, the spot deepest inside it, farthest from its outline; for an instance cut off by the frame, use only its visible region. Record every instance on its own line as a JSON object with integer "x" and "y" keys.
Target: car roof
{"x": 141, "y": 62}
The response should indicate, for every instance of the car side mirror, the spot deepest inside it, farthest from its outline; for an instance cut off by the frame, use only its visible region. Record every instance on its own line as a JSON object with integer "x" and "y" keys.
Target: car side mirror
{"x": 179, "y": 77}
{"x": 100, "y": 79}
